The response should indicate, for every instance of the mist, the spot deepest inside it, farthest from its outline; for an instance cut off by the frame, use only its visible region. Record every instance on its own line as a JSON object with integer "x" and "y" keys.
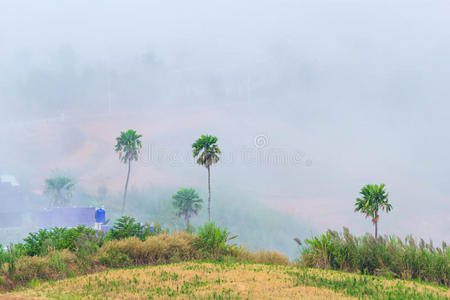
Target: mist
{"x": 310, "y": 100}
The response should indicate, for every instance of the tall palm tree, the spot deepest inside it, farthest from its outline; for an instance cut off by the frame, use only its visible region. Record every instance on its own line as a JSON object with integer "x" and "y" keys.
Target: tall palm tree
{"x": 374, "y": 199}
{"x": 207, "y": 153}
{"x": 187, "y": 203}
{"x": 59, "y": 188}
{"x": 128, "y": 146}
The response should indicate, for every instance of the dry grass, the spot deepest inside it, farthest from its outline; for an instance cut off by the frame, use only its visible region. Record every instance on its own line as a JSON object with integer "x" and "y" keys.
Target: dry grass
{"x": 200, "y": 280}
{"x": 184, "y": 281}
{"x": 261, "y": 256}
{"x": 159, "y": 249}
{"x": 54, "y": 266}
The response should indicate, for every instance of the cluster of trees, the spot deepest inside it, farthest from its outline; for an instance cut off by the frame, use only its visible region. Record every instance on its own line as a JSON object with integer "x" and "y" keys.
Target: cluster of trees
{"x": 186, "y": 201}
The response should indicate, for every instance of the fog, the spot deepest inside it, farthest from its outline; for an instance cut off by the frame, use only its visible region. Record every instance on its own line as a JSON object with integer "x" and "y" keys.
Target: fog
{"x": 310, "y": 100}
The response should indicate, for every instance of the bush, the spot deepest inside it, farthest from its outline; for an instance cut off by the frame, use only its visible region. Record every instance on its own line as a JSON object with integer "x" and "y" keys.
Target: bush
{"x": 50, "y": 267}
{"x": 126, "y": 227}
{"x": 8, "y": 258}
{"x": 44, "y": 241}
{"x": 159, "y": 249}
{"x": 388, "y": 256}
{"x": 212, "y": 241}
{"x": 85, "y": 251}
{"x": 114, "y": 258}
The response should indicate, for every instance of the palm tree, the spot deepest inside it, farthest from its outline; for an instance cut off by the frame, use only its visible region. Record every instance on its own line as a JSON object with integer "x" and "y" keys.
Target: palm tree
{"x": 187, "y": 203}
{"x": 207, "y": 151}
{"x": 59, "y": 188}
{"x": 128, "y": 145}
{"x": 374, "y": 199}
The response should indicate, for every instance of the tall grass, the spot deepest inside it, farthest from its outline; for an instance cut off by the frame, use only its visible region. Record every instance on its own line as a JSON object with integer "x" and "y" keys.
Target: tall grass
{"x": 213, "y": 241}
{"x": 260, "y": 257}
{"x": 388, "y": 255}
{"x": 159, "y": 249}
{"x": 54, "y": 265}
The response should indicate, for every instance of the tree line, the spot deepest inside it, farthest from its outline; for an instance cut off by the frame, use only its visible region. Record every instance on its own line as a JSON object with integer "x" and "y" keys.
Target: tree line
{"x": 186, "y": 202}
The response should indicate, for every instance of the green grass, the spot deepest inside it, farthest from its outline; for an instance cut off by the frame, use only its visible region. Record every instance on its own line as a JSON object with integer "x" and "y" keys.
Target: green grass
{"x": 365, "y": 286}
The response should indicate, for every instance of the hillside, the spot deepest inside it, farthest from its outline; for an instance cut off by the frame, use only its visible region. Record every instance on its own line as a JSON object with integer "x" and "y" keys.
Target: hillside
{"x": 198, "y": 280}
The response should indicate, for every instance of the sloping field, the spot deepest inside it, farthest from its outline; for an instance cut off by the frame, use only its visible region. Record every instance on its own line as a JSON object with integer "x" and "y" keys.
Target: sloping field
{"x": 197, "y": 280}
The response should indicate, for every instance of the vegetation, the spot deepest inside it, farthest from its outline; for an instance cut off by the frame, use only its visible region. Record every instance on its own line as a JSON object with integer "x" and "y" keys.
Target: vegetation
{"x": 207, "y": 152}
{"x": 76, "y": 252}
{"x": 224, "y": 280}
{"x": 258, "y": 225}
{"x": 60, "y": 252}
{"x": 128, "y": 227}
{"x": 159, "y": 249}
{"x": 59, "y": 189}
{"x": 128, "y": 146}
{"x": 374, "y": 199}
{"x": 44, "y": 241}
{"x": 187, "y": 203}
{"x": 212, "y": 240}
{"x": 388, "y": 255}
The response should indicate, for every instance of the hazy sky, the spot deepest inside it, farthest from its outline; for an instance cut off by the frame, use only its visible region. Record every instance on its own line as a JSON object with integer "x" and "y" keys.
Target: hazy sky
{"x": 310, "y": 100}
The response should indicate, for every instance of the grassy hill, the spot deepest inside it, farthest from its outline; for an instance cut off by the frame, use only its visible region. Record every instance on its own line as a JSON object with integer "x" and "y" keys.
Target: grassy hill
{"x": 224, "y": 280}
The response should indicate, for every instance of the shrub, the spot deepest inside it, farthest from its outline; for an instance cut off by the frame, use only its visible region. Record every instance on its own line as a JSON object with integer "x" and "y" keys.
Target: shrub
{"x": 8, "y": 258}
{"x": 85, "y": 251}
{"x": 50, "y": 267}
{"x": 112, "y": 257}
{"x": 29, "y": 268}
{"x": 388, "y": 256}
{"x": 212, "y": 240}
{"x": 159, "y": 249}
{"x": 126, "y": 227}
{"x": 44, "y": 241}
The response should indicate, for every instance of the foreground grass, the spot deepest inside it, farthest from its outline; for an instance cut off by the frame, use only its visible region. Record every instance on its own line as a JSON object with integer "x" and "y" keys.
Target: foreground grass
{"x": 206, "y": 280}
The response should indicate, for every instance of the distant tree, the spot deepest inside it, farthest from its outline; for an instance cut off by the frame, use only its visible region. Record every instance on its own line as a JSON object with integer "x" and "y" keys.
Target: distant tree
{"x": 207, "y": 153}
{"x": 100, "y": 197}
{"x": 374, "y": 199}
{"x": 128, "y": 146}
{"x": 187, "y": 203}
{"x": 59, "y": 189}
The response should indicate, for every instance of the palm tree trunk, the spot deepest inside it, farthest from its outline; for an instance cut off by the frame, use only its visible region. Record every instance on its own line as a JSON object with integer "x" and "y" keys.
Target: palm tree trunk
{"x": 209, "y": 194}
{"x": 126, "y": 189}
{"x": 188, "y": 226}
{"x": 376, "y": 224}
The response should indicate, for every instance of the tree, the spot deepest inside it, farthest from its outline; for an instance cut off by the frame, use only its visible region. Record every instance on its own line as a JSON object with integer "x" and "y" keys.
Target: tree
{"x": 374, "y": 199}
{"x": 128, "y": 146}
{"x": 59, "y": 188}
{"x": 207, "y": 153}
{"x": 187, "y": 203}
